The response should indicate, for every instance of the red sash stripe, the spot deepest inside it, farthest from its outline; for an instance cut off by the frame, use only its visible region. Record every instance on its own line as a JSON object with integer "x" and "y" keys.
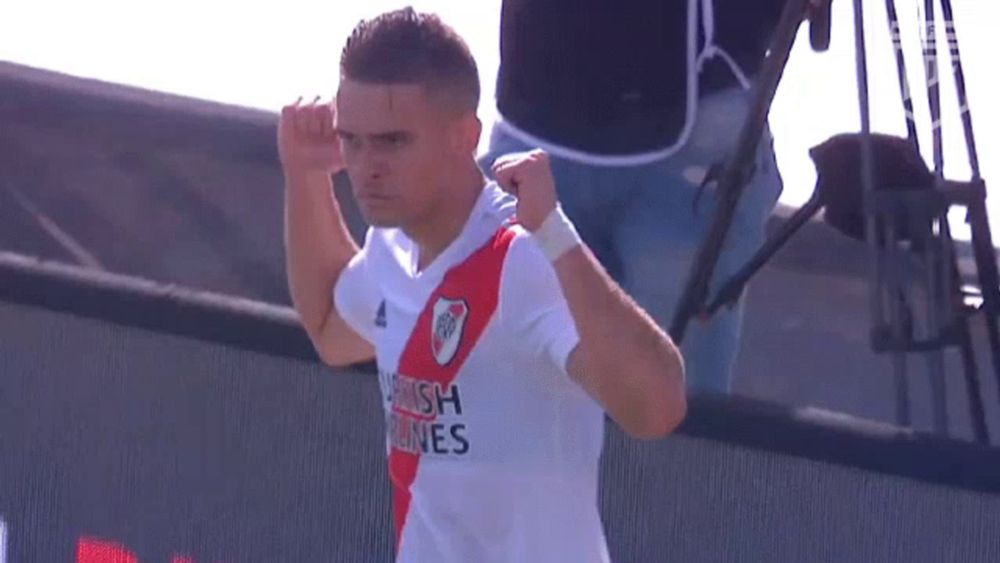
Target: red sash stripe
{"x": 477, "y": 281}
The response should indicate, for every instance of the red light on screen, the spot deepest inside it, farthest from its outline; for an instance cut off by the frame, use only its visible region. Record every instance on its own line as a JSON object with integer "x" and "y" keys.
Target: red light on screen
{"x": 89, "y": 550}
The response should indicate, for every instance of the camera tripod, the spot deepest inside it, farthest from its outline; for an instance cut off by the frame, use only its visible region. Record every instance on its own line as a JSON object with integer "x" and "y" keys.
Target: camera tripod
{"x": 877, "y": 188}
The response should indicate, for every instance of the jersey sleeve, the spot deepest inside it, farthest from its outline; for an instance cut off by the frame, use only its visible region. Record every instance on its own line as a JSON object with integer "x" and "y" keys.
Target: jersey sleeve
{"x": 533, "y": 306}
{"x": 357, "y": 295}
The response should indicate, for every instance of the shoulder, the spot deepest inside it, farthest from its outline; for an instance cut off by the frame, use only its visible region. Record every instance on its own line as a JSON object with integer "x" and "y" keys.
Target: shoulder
{"x": 528, "y": 276}
{"x": 523, "y": 252}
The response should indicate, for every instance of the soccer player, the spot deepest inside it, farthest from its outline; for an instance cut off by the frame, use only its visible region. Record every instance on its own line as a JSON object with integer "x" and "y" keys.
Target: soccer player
{"x": 499, "y": 338}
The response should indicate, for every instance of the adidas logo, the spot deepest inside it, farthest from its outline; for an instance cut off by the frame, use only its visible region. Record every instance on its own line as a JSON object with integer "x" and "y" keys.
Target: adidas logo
{"x": 380, "y": 315}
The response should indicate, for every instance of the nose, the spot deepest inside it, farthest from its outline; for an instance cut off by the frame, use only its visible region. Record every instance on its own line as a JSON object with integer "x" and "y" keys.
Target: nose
{"x": 369, "y": 165}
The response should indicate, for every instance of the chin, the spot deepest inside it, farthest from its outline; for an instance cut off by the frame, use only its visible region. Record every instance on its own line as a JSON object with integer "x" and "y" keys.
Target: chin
{"x": 381, "y": 220}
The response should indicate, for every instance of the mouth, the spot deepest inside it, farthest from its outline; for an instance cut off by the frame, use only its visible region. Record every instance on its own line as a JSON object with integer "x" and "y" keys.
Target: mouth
{"x": 374, "y": 201}
{"x": 373, "y": 197}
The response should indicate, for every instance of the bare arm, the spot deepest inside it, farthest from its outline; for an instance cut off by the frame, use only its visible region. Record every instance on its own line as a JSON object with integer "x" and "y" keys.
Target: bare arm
{"x": 318, "y": 245}
{"x": 624, "y": 360}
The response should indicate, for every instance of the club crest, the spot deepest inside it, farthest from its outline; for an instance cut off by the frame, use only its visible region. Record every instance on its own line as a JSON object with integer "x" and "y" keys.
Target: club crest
{"x": 449, "y": 322}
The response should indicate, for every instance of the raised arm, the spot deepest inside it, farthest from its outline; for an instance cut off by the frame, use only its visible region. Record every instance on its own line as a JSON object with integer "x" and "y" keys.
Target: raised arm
{"x": 624, "y": 360}
{"x": 318, "y": 245}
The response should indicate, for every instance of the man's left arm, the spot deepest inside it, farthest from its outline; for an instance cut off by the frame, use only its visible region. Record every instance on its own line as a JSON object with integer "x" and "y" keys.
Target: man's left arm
{"x": 623, "y": 360}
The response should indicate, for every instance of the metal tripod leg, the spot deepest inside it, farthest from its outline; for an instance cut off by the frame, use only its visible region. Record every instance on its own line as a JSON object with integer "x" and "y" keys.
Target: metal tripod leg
{"x": 732, "y": 289}
{"x": 982, "y": 239}
{"x": 898, "y": 326}
{"x": 876, "y": 274}
{"x": 989, "y": 279}
{"x": 936, "y": 282}
{"x": 733, "y": 178}
{"x": 903, "y": 77}
{"x": 970, "y": 369}
{"x": 902, "y": 387}
{"x": 939, "y": 403}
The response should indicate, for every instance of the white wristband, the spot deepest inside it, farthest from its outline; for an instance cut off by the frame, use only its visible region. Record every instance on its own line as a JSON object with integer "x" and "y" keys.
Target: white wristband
{"x": 556, "y": 235}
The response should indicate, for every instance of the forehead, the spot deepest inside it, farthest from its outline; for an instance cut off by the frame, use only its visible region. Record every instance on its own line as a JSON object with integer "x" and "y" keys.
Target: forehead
{"x": 372, "y": 108}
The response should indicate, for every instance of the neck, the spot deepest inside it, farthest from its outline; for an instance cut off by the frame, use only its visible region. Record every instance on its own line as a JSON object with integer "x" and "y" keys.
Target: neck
{"x": 438, "y": 231}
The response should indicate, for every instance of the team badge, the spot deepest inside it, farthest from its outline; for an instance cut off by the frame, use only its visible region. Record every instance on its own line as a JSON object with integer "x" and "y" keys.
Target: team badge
{"x": 449, "y": 321}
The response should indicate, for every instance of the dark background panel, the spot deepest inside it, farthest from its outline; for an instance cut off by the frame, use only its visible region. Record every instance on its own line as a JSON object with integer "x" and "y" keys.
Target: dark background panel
{"x": 172, "y": 445}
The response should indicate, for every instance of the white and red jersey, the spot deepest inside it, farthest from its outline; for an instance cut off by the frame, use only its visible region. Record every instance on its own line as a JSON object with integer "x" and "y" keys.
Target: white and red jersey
{"x": 493, "y": 449}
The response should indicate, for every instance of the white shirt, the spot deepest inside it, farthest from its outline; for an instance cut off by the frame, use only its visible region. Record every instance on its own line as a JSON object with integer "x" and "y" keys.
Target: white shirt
{"x": 493, "y": 449}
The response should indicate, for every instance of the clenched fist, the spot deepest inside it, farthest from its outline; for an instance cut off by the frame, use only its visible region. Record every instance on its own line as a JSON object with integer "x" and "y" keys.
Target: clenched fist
{"x": 307, "y": 140}
{"x": 528, "y": 176}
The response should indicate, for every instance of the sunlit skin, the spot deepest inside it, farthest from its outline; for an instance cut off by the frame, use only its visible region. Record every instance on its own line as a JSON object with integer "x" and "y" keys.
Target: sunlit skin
{"x": 410, "y": 158}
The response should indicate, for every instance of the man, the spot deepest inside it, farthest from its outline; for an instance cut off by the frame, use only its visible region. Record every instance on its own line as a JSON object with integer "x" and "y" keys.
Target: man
{"x": 500, "y": 344}
{"x": 636, "y": 101}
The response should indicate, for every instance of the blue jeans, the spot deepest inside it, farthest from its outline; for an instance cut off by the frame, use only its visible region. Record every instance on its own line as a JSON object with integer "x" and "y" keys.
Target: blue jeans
{"x": 642, "y": 223}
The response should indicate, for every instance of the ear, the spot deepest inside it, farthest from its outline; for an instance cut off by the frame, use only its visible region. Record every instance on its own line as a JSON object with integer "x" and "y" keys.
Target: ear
{"x": 466, "y": 132}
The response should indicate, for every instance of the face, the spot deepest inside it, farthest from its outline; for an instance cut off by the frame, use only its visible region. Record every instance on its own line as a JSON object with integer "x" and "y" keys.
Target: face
{"x": 399, "y": 147}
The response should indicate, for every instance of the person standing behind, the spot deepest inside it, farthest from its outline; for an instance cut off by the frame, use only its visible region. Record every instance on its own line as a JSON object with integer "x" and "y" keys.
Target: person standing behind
{"x": 636, "y": 101}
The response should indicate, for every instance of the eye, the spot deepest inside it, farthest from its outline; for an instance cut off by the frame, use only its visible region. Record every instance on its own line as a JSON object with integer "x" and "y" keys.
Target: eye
{"x": 349, "y": 140}
{"x": 393, "y": 140}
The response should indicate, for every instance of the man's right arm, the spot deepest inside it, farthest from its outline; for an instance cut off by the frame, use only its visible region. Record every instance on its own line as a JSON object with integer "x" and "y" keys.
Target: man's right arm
{"x": 318, "y": 245}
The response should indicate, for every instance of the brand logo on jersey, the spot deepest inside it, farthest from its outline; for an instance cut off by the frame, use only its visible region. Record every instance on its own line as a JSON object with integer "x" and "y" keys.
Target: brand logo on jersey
{"x": 449, "y": 321}
{"x": 380, "y": 315}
